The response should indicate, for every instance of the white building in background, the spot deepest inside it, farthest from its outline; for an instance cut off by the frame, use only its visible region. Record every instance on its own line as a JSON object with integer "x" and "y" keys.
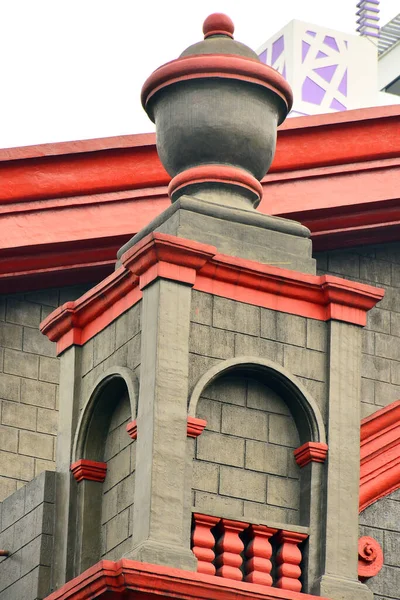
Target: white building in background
{"x": 332, "y": 71}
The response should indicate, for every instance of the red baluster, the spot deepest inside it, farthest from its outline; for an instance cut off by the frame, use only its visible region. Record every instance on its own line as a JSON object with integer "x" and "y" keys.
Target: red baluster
{"x": 288, "y": 559}
{"x": 258, "y": 552}
{"x": 228, "y": 548}
{"x": 204, "y": 542}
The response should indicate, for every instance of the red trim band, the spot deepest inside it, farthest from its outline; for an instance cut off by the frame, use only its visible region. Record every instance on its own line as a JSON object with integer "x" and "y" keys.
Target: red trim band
{"x": 132, "y": 429}
{"x": 215, "y": 174}
{"x": 89, "y": 470}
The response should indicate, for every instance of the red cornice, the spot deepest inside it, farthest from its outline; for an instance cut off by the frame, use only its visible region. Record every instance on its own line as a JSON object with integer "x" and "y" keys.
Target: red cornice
{"x": 380, "y": 454}
{"x": 310, "y": 452}
{"x": 89, "y": 470}
{"x": 321, "y": 297}
{"x": 336, "y": 173}
{"x": 195, "y": 426}
{"x": 129, "y": 580}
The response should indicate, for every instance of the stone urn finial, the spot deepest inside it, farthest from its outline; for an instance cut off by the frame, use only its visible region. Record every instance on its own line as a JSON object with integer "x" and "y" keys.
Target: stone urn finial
{"x": 216, "y": 109}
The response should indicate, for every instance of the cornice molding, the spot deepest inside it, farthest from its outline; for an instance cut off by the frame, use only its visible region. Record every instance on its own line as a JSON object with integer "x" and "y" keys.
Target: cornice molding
{"x": 320, "y": 297}
{"x": 310, "y": 452}
{"x": 89, "y": 470}
{"x": 380, "y": 454}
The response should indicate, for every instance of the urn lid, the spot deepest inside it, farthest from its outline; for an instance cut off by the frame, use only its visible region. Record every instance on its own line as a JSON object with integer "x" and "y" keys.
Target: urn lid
{"x": 218, "y": 56}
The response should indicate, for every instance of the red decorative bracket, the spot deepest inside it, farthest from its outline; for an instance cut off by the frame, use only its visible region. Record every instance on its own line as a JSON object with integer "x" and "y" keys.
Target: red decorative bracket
{"x": 370, "y": 558}
{"x": 195, "y": 426}
{"x": 310, "y": 452}
{"x": 204, "y": 542}
{"x": 89, "y": 470}
{"x": 288, "y": 560}
{"x": 132, "y": 429}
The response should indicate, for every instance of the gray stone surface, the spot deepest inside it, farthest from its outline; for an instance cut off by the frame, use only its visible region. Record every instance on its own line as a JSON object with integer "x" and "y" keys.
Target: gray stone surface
{"x": 26, "y": 531}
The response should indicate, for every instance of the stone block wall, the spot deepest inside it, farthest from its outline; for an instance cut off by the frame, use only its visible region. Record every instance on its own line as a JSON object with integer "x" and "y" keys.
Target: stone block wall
{"x": 119, "y": 485}
{"x": 381, "y": 521}
{"x": 26, "y": 531}
{"x": 29, "y": 375}
{"x": 244, "y": 464}
{"x": 378, "y": 266}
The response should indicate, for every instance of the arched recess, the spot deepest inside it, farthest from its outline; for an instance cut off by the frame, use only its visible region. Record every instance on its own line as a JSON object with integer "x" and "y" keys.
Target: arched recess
{"x": 302, "y": 406}
{"x": 105, "y": 509}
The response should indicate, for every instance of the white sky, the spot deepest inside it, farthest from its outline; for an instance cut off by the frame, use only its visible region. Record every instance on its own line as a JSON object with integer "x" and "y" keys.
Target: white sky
{"x": 73, "y": 69}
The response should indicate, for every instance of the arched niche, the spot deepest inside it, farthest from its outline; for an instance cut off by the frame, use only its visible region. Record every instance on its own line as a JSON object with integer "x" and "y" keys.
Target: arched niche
{"x": 105, "y": 509}
{"x": 243, "y": 463}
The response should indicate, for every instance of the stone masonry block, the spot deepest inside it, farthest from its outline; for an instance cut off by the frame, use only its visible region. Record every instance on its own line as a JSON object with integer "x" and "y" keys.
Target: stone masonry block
{"x": 239, "y": 483}
{"x": 13, "y": 508}
{"x": 38, "y": 445}
{"x": 125, "y": 493}
{"x": 305, "y": 363}
{"x": 119, "y": 551}
{"x": 375, "y": 271}
{"x": 7, "y": 487}
{"x": 236, "y": 316}
{"x": 378, "y": 320}
{"x": 392, "y": 548}
{"x": 47, "y": 421}
{"x": 119, "y": 358}
{"x": 209, "y": 341}
{"x": 283, "y": 492}
{"x": 283, "y": 327}
{"x": 87, "y": 357}
{"x": 218, "y": 505}
{"x": 104, "y": 344}
{"x": 127, "y": 325}
{"x": 38, "y": 393}
{"x": 385, "y": 582}
{"x": 265, "y": 513}
{"x": 375, "y": 367}
{"x": 395, "y": 324}
{"x": 109, "y": 505}
{"x": 117, "y": 469}
{"x": 198, "y": 365}
{"x": 244, "y": 422}
{"x": 395, "y": 373}
{"x": 49, "y": 369}
{"x": 37, "y": 343}
{"x": 44, "y": 465}
{"x": 387, "y": 346}
{"x": 21, "y": 363}
{"x": 121, "y": 414}
{"x": 133, "y": 358}
{"x": 282, "y": 431}
{"x": 201, "y": 308}
{"x": 10, "y": 573}
{"x": 344, "y": 263}
{"x": 386, "y": 393}
{"x": 10, "y": 387}
{"x": 261, "y": 397}
{"x": 23, "y": 313}
{"x": 317, "y": 335}
{"x": 390, "y": 300}
{"x": 205, "y": 476}
{"x": 16, "y": 466}
{"x": 221, "y": 449}
{"x": 117, "y": 530}
{"x": 266, "y": 458}
{"x": 248, "y": 345}
{"x": 368, "y": 342}
{"x": 382, "y": 514}
{"x": 367, "y": 409}
{"x": 8, "y": 439}
{"x": 367, "y": 390}
{"x": 318, "y": 390}
{"x": 229, "y": 389}
{"x": 211, "y": 412}
{"x": 11, "y": 336}
{"x": 48, "y": 297}
{"x": 41, "y": 489}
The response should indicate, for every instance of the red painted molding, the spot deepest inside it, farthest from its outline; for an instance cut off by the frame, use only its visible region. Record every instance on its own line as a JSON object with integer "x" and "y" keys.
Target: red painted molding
{"x": 370, "y": 558}
{"x": 320, "y": 297}
{"x": 195, "y": 427}
{"x": 380, "y": 454}
{"x": 311, "y": 452}
{"x": 132, "y": 580}
{"x": 336, "y": 173}
{"x": 89, "y": 470}
{"x": 132, "y": 429}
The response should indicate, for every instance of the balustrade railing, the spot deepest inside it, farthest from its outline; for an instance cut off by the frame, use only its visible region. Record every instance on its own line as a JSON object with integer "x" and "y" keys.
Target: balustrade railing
{"x": 247, "y": 552}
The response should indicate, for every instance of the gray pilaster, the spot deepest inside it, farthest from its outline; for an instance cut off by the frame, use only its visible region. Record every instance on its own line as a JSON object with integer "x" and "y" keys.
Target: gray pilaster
{"x": 65, "y": 498}
{"x": 159, "y": 534}
{"x": 339, "y": 542}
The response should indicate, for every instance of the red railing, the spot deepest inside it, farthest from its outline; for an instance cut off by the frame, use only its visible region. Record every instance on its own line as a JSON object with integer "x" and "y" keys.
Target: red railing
{"x": 246, "y": 552}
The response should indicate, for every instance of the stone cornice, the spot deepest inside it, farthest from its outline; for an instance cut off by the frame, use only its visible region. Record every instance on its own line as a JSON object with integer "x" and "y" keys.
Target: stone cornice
{"x": 320, "y": 297}
{"x": 380, "y": 454}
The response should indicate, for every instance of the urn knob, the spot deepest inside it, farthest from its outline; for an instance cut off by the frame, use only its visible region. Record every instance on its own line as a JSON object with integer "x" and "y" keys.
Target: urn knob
{"x": 216, "y": 109}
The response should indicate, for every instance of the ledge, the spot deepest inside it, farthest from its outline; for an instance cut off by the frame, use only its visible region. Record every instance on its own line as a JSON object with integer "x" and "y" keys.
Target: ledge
{"x": 380, "y": 454}
{"x": 199, "y": 265}
{"x": 131, "y": 580}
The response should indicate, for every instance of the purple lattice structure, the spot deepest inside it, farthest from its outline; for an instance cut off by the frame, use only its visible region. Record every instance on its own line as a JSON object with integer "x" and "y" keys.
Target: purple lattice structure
{"x": 368, "y": 18}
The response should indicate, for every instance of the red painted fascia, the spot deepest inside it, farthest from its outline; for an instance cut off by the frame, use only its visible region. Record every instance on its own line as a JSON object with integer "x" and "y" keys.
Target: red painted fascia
{"x": 321, "y": 297}
{"x": 129, "y": 580}
{"x": 380, "y": 454}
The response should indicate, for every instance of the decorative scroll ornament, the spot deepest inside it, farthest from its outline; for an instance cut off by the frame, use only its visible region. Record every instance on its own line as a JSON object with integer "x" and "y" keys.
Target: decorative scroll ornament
{"x": 370, "y": 557}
